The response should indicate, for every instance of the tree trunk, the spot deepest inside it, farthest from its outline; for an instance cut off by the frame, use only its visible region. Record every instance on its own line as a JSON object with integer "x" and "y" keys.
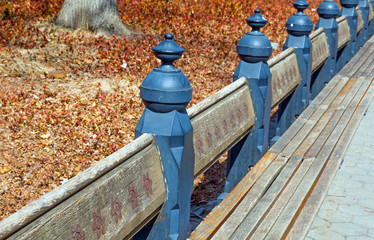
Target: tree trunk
{"x": 100, "y": 16}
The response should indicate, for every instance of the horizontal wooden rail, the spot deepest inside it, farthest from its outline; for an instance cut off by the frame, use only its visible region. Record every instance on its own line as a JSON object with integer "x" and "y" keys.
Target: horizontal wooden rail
{"x": 285, "y": 75}
{"x": 220, "y": 121}
{"x": 344, "y": 34}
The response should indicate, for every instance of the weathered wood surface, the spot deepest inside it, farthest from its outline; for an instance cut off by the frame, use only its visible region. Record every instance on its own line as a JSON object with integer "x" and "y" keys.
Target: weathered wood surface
{"x": 333, "y": 131}
{"x": 320, "y": 48}
{"x": 326, "y": 96}
{"x": 229, "y": 117}
{"x": 277, "y": 197}
{"x": 302, "y": 157}
{"x": 285, "y": 75}
{"x": 344, "y": 35}
{"x": 360, "y": 22}
{"x": 251, "y": 223}
{"x": 338, "y": 123}
{"x": 283, "y": 187}
{"x": 371, "y": 14}
{"x": 251, "y": 199}
{"x": 111, "y": 199}
{"x": 310, "y": 209}
{"x": 218, "y": 215}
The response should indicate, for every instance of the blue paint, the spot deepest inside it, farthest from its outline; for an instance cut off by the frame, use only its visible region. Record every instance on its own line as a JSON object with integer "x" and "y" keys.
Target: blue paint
{"x": 298, "y": 26}
{"x": 254, "y": 49}
{"x": 362, "y": 36}
{"x": 166, "y": 92}
{"x": 348, "y": 10}
{"x": 328, "y": 10}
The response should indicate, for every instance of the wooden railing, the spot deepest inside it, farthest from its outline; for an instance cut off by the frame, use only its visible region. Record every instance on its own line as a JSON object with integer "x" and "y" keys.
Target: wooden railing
{"x": 119, "y": 195}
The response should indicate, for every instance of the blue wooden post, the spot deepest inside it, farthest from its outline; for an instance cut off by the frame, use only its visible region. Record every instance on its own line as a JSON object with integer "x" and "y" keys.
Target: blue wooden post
{"x": 328, "y": 10}
{"x": 346, "y": 53}
{"x": 254, "y": 50}
{"x": 299, "y": 26}
{"x": 363, "y": 35}
{"x": 349, "y": 10}
{"x": 166, "y": 92}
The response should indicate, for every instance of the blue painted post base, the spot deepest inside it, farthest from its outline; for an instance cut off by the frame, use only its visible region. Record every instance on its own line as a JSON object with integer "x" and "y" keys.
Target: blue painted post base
{"x": 286, "y": 114}
{"x": 351, "y": 15}
{"x": 248, "y": 152}
{"x": 328, "y": 11}
{"x": 319, "y": 80}
{"x": 363, "y": 35}
{"x": 254, "y": 50}
{"x": 173, "y": 137}
{"x": 303, "y": 49}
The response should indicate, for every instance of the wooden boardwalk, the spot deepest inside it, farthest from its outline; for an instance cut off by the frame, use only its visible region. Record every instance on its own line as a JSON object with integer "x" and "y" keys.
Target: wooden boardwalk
{"x": 281, "y": 196}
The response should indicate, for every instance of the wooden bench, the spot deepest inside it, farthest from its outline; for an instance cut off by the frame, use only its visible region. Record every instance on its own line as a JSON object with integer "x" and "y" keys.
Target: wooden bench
{"x": 120, "y": 194}
{"x": 115, "y": 198}
{"x": 279, "y": 198}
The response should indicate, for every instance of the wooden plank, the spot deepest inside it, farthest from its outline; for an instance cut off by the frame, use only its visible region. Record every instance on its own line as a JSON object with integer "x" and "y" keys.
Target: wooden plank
{"x": 367, "y": 64}
{"x": 250, "y": 224}
{"x": 285, "y": 75}
{"x": 280, "y": 199}
{"x": 344, "y": 35}
{"x": 360, "y": 22}
{"x": 356, "y": 61}
{"x": 336, "y": 84}
{"x": 370, "y": 12}
{"x": 257, "y": 215}
{"x": 113, "y": 206}
{"x": 219, "y": 214}
{"x": 310, "y": 210}
{"x": 251, "y": 199}
{"x": 218, "y": 96}
{"x": 315, "y": 139}
{"x": 325, "y": 109}
{"x": 320, "y": 152}
{"x": 219, "y": 127}
{"x": 320, "y": 48}
{"x": 274, "y": 212}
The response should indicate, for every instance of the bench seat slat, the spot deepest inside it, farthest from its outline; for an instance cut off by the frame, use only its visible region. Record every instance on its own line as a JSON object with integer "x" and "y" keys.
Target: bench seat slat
{"x": 277, "y": 208}
{"x": 277, "y": 197}
{"x": 325, "y": 97}
{"x": 333, "y": 131}
{"x": 310, "y": 210}
{"x": 251, "y": 199}
{"x": 250, "y": 224}
{"x": 216, "y": 218}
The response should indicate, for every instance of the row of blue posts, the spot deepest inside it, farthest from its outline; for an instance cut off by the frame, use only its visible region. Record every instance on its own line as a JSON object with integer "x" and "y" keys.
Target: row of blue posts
{"x": 166, "y": 92}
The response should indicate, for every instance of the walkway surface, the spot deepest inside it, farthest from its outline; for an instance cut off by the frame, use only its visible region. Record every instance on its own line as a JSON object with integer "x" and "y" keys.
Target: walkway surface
{"x": 347, "y": 211}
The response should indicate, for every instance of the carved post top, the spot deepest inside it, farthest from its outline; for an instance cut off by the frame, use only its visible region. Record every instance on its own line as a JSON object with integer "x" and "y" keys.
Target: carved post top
{"x": 299, "y": 24}
{"x": 255, "y": 46}
{"x": 166, "y": 88}
{"x": 349, "y": 3}
{"x": 328, "y": 9}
